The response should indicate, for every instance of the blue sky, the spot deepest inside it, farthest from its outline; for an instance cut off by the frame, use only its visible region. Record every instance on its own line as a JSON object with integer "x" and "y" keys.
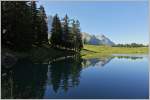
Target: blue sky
{"x": 122, "y": 22}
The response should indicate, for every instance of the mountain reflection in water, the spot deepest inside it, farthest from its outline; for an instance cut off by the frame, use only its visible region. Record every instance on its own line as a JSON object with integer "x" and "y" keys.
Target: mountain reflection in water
{"x": 29, "y": 80}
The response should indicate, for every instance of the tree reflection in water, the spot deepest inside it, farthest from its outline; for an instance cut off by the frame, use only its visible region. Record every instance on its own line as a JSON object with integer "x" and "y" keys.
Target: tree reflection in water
{"x": 29, "y": 80}
{"x": 25, "y": 80}
{"x": 65, "y": 73}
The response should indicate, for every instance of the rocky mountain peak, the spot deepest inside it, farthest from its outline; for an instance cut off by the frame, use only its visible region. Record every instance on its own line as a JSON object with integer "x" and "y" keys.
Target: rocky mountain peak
{"x": 100, "y": 39}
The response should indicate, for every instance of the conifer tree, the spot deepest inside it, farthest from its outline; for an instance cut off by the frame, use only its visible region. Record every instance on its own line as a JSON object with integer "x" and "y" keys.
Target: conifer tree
{"x": 16, "y": 24}
{"x": 74, "y": 32}
{"x": 78, "y": 37}
{"x": 8, "y": 19}
{"x": 34, "y": 21}
{"x": 56, "y": 32}
{"x": 42, "y": 31}
{"x": 65, "y": 38}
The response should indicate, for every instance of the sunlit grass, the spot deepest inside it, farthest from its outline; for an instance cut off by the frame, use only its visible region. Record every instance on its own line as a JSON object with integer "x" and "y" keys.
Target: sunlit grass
{"x": 102, "y": 51}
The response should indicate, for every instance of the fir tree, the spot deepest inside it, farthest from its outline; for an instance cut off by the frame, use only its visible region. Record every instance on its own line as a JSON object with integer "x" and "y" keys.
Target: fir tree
{"x": 65, "y": 38}
{"x": 74, "y": 32}
{"x": 42, "y": 31}
{"x": 79, "y": 43}
{"x": 17, "y": 25}
{"x": 34, "y": 21}
{"x": 56, "y": 32}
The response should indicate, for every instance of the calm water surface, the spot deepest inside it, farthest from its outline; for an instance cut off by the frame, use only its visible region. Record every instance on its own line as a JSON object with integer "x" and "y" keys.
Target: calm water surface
{"x": 118, "y": 76}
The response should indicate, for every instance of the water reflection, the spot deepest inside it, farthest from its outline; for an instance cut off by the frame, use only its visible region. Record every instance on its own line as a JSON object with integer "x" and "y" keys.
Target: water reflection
{"x": 96, "y": 61}
{"x": 26, "y": 80}
{"x": 128, "y": 57}
{"x": 65, "y": 73}
{"x": 29, "y": 80}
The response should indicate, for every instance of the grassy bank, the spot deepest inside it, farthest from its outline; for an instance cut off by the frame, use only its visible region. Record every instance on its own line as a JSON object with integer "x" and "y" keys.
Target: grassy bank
{"x": 36, "y": 54}
{"x": 48, "y": 53}
{"x": 96, "y": 51}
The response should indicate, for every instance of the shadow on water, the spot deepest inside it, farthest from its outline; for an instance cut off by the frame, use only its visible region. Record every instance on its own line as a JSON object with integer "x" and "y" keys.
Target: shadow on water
{"x": 29, "y": 80}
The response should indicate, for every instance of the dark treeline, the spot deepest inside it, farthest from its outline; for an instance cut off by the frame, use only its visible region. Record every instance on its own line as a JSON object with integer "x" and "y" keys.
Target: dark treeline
{"x": 25, "y": 26}
{"x": 130, "y": 45}
{"x": 66, "y": 33}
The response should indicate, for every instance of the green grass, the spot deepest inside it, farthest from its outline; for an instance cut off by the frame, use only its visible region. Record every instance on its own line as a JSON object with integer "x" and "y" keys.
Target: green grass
{"x": 46, "y": 53}
{"x": 96, "y": 51}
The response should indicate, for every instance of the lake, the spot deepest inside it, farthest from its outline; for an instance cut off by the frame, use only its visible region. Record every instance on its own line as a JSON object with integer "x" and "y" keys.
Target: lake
{"x": 113, "y": 77}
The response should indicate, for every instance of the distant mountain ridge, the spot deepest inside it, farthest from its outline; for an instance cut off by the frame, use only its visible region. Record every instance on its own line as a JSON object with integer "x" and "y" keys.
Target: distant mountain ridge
{"x": 96, "y": 39}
